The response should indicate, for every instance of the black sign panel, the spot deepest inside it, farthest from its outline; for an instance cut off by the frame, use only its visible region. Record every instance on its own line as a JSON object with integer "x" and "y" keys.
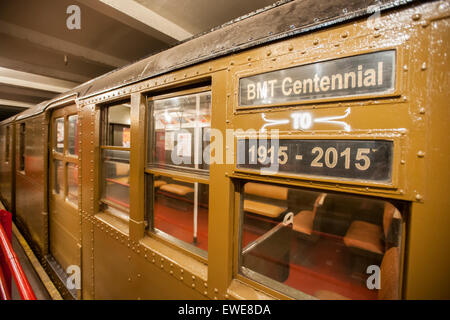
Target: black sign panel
{"x": 372, "y": 73}
{"x": 365, "y": 160}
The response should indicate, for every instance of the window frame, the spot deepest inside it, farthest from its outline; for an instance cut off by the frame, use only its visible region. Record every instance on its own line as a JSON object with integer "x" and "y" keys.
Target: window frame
{"x": 104, "y": 134}
{"x": 280, "y": 289}
{"x": 65, "y": 157}
{"x": 184, "y": 174}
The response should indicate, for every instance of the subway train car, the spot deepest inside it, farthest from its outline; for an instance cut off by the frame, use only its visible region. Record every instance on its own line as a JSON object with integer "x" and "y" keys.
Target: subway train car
{"x": 298, "y": 152}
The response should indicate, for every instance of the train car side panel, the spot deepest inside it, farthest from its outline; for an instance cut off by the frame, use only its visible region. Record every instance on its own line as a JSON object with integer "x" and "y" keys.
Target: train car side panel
{"x": 31, "y": 180}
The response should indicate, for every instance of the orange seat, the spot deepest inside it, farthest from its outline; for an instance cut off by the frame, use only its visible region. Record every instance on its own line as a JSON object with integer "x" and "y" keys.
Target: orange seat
{"x": 123, "y": 181}
{"x": 176, "y": 189}
{"x": 122, "y": 169}
{"x": 364, "y": 235}
{"x": 304, "y": 220}
{"x": 389, "y": 275}
{"x": 265, "y": 209}
{"x": 159, "y": 183}
{"x": 389, "y": 279}
{"x": 268, "y": 192}
{"x": 368, "y": 236}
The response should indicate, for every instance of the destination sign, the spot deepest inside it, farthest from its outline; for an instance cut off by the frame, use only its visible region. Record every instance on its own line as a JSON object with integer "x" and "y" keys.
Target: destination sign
{"x": 372, "y": 73}
{"x": 364, "y": 160}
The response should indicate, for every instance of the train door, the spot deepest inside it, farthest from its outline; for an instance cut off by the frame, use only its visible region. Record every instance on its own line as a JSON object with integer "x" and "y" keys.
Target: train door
{"x": 64, "y": 220}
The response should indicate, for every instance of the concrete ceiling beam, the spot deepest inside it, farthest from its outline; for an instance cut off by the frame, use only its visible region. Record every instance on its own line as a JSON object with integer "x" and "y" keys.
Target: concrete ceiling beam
{"x": 29, "y": 80}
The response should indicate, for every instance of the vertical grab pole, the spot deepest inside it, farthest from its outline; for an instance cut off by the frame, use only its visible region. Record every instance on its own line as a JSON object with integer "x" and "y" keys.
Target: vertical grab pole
{"x": 197, "y": 160}
{"x": 195, "y": 210}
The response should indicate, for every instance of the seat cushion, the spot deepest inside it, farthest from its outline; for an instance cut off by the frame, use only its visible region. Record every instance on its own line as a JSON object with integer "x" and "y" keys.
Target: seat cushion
{"x": 266, "y": 191}
{"x": 303, "y": 222}
{"x": 265, "y": 209}
{"x": 364, "y": 235}
{"x": 123, "y": 181}
{"x": 329, "y": 295}
{"x": 176, "y": 189}
{"x": 122, "y": 169}
{"x": 159, "y": 183}
{"x": 389, "y": 275}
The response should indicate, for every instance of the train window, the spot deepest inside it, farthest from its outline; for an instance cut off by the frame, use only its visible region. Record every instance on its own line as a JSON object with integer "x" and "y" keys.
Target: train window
{"x": 326, "y": 245}
{"x": 7, "y": 143}
{"x": 72, "y": 183}
{"x": 117, "y": 128}
{"x": 72, "y": 135}
{"x": 180, "y": 210}
{"x": 59, "y": 136}
{"x": 178, "y": 137}
{"x": 181, "y": 131}
{"x": 22, "y": 147}
{"x": 58, "y": 183}
{"x": 115, "y": 193}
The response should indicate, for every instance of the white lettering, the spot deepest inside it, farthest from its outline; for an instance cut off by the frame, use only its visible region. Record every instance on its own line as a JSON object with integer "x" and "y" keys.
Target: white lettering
{"x": 74, "y": 279}
{"x": 301, "y": 120}
{"x": 380, "y": 73}
{"x": 325, "y": 83}
{"x": 373, "y": 282}
{"x": 283, "y": 86}
{"x": 272, "y": 85}
{"x": 74, "y": 20}
{"x": 251, "y": 94}
{"x": 297, "y": 87}
{"x": 261, "y": 90}
{"x": 369, "y": 78}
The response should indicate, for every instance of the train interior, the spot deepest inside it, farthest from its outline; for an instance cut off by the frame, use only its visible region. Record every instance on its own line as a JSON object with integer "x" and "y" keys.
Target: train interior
{"x": 181, "y": 134}
{"x": 322, "y": 244}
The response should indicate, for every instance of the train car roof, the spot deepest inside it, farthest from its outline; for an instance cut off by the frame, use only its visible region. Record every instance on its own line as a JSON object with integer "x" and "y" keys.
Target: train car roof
{"x": 282, "y": 20}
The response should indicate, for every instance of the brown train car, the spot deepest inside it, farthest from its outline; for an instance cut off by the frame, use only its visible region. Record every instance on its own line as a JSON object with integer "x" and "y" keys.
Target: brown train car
{"x": 296, "y": 153}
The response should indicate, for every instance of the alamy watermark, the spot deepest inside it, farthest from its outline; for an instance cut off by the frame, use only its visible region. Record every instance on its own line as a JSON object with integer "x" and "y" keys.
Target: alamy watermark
{"x": 374, "y": 280}
{"x": 73, "y": 21}
{"x": 73, "y": 277}
{"x": 374, "y": 18}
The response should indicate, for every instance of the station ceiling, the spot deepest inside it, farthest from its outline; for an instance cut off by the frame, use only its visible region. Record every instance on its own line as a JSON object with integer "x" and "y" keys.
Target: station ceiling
{"x": 43, "y": 53}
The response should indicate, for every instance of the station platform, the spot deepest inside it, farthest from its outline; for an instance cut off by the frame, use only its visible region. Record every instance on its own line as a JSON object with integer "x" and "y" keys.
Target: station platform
{"x": 39, "y": 289}
{"x": 40, "y": 282}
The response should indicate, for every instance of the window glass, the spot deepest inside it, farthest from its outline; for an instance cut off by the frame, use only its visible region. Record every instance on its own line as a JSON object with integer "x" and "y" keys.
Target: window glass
{"x": 181, "y": 128}
{"x": 73, "y": 135}
{"x": 322, "y": 244}
{"x": 179, "y": 137}
{"x": 118, "y": 125}
{"x": 116, "y": 181}
{"x": 58, "y": 183}
{"x": 59, "y": 135}
{"x": 181, "y": 210}
{"x": 72, "y": 183}
{"x": 115, "y": 160}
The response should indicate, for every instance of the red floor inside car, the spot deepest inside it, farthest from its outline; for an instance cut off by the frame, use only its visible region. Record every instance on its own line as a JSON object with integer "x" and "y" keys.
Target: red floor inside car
{"x": 180, "y": 224}
{"x": 320, "y": 265}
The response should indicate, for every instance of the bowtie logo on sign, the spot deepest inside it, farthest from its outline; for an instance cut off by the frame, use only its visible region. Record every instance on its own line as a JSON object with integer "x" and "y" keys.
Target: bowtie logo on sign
{"x": 305, "y": 120}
